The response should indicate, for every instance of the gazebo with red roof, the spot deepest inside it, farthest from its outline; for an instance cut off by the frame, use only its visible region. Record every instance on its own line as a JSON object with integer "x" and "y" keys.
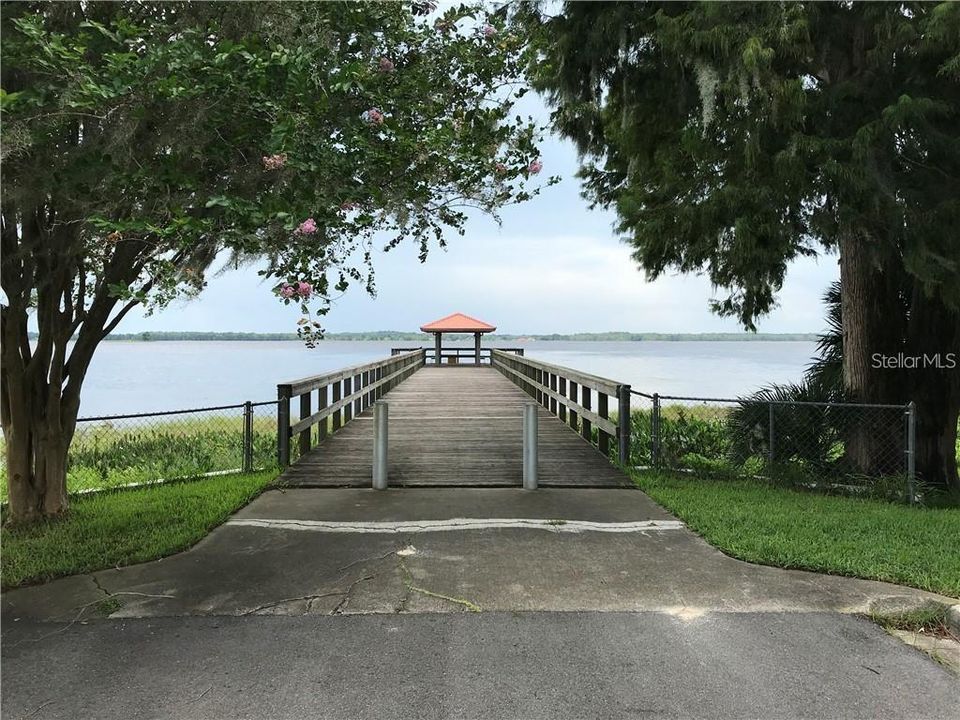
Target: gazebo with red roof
{"x": 457, "y": 323}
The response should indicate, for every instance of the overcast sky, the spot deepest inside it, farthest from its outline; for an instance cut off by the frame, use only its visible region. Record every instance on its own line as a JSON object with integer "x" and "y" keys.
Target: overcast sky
{"x": 553, "y": 265}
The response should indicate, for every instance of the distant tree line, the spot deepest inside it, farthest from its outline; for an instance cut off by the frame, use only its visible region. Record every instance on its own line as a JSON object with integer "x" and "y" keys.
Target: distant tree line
{"x": 399, "y": 336}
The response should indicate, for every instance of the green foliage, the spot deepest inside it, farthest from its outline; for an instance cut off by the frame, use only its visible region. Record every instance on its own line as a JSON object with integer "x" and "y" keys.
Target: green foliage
{"x": 826, "y": 370}
{"x": 771, "y": 525}
{"x": 179, "y": 131}
{"x": 733, "y": 441}
{"x": 143, "y": 140}
{"x": 731, "y": 138}
{"x": 803, "y": 433}
{"x": 690, "y": 436}
{"x": 121, "y": 528}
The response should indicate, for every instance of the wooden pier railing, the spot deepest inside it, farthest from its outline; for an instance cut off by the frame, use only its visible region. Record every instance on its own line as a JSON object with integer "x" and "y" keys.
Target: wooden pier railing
{"x": 456, "y": 355}
{"x": 569, "y": 394}
{"x": 341, "y": 395}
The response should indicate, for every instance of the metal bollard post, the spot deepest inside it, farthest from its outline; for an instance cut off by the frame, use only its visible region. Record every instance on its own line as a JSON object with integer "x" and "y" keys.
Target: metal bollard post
{"x": 530, "y": 446}
{"x": 380, "y": 414}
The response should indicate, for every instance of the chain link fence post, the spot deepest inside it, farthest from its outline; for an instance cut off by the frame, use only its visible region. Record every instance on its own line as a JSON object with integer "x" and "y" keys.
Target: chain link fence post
{"x": 247, "y": 437}
{"x": 655, "y": 432}
{"x": 771, "y": 437}
{"x": 911, "y": 450}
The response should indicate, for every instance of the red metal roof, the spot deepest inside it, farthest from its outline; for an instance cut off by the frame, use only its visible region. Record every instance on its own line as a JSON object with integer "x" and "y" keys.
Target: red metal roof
{"x": 458, "y": 322}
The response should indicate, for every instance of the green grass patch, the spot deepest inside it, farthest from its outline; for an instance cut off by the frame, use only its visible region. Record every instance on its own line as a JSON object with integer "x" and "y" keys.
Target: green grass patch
{"x": 841, "y": 535}
{"x": 931, "y": 620}
{"x": 124, "y": 527}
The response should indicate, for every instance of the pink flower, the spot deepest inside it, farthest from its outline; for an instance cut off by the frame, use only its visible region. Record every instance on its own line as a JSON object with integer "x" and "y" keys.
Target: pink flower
{"x": 274, "y": 162}
{"x": 386, "y": 65}
{"x": 488, "y": 30}
{"x": 304, "y": 289}
{"x": 500, "y": 168}
{"x": 535, "y": 167}
{"x": 373, "y": 116}
{"x": 307, "y": 227}
{"x": 286, "y": 290}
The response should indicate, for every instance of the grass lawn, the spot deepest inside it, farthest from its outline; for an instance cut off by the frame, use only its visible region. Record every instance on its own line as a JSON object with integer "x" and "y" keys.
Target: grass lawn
{"x": 863, "y": 538}
{"x": 124, "y": 527}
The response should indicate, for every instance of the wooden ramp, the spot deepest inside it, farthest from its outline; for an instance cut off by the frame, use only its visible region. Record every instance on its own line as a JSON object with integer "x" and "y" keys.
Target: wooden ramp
{"x": 454, "y": 427}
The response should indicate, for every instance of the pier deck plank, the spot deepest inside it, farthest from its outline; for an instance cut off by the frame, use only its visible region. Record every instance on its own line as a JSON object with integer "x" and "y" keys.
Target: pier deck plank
{"x": 450, "y": 427}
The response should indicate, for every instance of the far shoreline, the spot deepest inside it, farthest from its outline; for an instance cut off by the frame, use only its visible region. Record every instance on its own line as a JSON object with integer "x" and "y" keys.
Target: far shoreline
{"x": 401, "y": 337}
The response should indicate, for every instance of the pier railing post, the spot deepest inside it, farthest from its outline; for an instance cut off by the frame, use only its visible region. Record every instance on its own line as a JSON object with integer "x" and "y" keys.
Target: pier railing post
{"x": 603, "y": 410}
{"x": 283, "y": 425}
{"x": 380, "y": 424}
{"x": 322, "y": 405}
{"x": 623, "y": 423}
{"x": 530, "y": 449}
{"x": 305, "y": 439}
{"x": 586, "y": 427}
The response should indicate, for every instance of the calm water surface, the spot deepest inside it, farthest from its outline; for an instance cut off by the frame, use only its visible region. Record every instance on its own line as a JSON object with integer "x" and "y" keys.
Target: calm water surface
{"x": 128, "y": 377}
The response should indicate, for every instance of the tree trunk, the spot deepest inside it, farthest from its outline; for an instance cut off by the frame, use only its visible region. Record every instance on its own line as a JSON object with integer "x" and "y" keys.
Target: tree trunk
{"x": 36, "y": 440}
{"x": 936, "y": 453}
{"x": 872, "y": 324}
{"x": 37, "y": 469}
{"x": 934, "y": 338}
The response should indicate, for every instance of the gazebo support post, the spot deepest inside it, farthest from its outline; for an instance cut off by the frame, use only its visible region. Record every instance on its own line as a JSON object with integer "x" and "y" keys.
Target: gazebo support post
{"x": 476, "y": 344}
{"x": 437, "y": 356}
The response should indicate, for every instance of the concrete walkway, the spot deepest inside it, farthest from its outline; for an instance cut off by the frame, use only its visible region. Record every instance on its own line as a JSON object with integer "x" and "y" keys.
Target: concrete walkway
{"x": 703, "y": 634}
{"x": 296, "y": 552}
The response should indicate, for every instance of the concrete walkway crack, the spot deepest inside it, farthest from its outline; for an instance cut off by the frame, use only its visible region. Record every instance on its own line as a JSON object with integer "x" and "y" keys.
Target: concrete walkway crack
{"x": 100, "y": 587}
{"x": 367, "y": 559}
{"x": 309, "y": 598}
{"x": 408, "y": 584}
{"x": 338, "y": 610}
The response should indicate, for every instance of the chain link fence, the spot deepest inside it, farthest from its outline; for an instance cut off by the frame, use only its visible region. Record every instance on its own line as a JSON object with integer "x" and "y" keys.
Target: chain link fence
{"x": 118, "y": 451}
{"x": 843, "y": 447}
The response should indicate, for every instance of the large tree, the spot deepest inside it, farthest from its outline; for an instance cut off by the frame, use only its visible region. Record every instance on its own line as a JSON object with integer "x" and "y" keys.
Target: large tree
{"x": 733, "y": 138}
{"x": 143, "y": 140}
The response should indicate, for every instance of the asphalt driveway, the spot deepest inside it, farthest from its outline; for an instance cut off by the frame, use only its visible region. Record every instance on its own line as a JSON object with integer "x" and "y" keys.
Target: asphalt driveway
{"x": 460, "y": 602}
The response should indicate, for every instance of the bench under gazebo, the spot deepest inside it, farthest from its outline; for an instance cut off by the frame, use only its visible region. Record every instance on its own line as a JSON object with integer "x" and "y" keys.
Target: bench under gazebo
{"x": 457, "y": 323}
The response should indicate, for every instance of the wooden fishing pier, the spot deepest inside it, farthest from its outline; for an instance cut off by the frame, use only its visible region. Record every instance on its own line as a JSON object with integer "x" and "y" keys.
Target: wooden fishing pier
{"x": 456, "y": 418}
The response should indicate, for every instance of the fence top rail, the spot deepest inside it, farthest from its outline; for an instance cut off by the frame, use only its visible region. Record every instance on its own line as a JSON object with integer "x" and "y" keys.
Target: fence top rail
{"x": 764, "y": 401}
{"x": 595, "y": 382}
{"x": 306, "y": 384}
{"x": 160, "y": 413}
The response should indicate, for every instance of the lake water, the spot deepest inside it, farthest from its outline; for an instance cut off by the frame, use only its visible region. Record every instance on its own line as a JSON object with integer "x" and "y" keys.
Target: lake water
{"x": 129, "y": 377}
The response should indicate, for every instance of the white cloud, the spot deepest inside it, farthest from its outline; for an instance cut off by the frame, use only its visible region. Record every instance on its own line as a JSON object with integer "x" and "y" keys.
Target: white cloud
{"x": 553, "y": 266}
